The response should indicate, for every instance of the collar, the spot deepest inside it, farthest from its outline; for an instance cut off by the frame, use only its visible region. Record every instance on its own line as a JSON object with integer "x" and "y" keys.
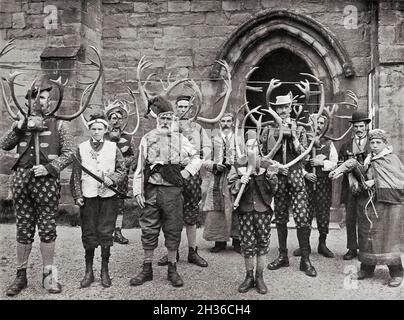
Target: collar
{"x": 228, "y": 136}
{"x": 384, "y": 152}
{"x": 95, "y": 141}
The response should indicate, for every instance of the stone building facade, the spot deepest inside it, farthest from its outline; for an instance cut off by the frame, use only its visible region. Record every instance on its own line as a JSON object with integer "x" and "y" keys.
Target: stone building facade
{"x": 348, "y": 44}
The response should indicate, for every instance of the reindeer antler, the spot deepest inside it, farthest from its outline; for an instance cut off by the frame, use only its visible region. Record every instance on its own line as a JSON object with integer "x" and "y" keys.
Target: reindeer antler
{"x": 320, "y": 111}
{"x": 132, "y": 94}
{"x": 61, "y": 87}
{"x": 91, "y": 87}
{"x": 355, "y": 99}
{"x": 226, "y": 94}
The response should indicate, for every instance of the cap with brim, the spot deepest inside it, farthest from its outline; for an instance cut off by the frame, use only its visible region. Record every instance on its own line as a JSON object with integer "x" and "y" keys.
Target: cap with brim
{"x": 283, "y": 100}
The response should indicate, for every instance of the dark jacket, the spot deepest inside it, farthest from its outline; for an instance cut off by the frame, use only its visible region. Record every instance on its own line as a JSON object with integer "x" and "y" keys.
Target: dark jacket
{"x": 258, "y": 193}
{"x": 345, "y": 153}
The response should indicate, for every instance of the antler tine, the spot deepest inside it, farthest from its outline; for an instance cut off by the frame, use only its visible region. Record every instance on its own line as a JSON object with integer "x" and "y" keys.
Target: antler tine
{"x": 198, "y": 93}
{"x": 342, "y": 136}
{"x": 132, "y": 94}
{"x": 32, "y": 87}
{"x": 93, "y": 86}
{"x": 7, "y": 48}
{"x": 172, "y": 85}
{"x": 82, "y": 117}
{"x": 320, "y": 111}
{"x": 6, "y": 103}
{"x": 61, "y": 87}
{"x": 228, "y": 83}
{"x": 11, "y": 85}
{"x": 142, "y": 65}
{"x": 278, "y": 142}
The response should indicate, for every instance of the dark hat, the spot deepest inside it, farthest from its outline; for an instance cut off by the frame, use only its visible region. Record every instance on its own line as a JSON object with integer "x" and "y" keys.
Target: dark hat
{"x": 34, "y": 92}
{"x": 97, "y": 117}
{"x": 183, "y": 98}
{"x": 159, "y": 105}
{"x": 359, "y": 116}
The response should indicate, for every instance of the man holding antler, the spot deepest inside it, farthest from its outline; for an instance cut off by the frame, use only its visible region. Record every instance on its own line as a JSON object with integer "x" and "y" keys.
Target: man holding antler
{"x": 36, "y": 184}
{"x": 319, "y": 185}
{"x": 291, "y": 188}
{"x": 192, "y": 191}
{"x": 166, "y": 158}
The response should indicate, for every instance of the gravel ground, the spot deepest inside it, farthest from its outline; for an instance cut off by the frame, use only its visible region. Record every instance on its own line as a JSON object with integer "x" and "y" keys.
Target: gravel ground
{"x": 219, "y": 281}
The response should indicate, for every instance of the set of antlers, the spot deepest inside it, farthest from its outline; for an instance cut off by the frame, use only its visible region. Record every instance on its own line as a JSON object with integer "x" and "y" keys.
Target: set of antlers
{"x": 169, "y": 86}
{"x": 32, "y": 106}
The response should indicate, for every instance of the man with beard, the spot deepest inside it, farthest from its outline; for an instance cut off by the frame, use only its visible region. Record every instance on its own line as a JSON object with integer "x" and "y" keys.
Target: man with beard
{"x": 221, "y": 221}
{"x": 357, "y": 147}
{"x": 192, "y": 191}
{"x": 115, "y": 112}
{"x": 291, "y": 186}
{"x": 166, "y": 158}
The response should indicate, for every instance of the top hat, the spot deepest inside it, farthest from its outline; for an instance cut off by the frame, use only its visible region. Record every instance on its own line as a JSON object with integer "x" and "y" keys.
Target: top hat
{"x": 282, "y": 100}
{"x": 34, "y": 92}
{"x": 359, "y": 116}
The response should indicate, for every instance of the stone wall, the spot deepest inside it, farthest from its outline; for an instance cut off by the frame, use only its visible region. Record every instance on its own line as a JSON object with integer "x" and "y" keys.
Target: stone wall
{"x": 183, "y": 38}
{"x": 391, "y": 71}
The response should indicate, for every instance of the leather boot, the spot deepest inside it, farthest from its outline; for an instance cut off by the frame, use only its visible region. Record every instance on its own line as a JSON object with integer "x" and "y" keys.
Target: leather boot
{"x": 322, "y": 248}
{"x": 305, "y": 264}
{"x": 118, "y": 237}
{"x": 298, "y": 252}
{"x": 260, "y": 285}
{"x": 282, "y": 260}
{"x": 145, "y": 275}
{"x": 20, "y": 282}
{"x": 236, "y": 245}
{"x": 164, "y": 260}
{"x": 248, "y": 282}
{"x": 195, "y": 258}
{"x": 219, "y": 246}
{"x": 173, "y": 276}
{"x": 105, "y": 279}
{"x": 89, "y": 275}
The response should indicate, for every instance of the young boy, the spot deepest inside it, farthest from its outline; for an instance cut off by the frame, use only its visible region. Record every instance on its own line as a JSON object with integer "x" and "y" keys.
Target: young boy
{"x": 98, "y": 203}
{"x": 254, "y": 213}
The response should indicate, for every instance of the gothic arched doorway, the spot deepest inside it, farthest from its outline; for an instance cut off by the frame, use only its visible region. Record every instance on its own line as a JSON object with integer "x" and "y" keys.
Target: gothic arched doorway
{"x": 279, "y": 64}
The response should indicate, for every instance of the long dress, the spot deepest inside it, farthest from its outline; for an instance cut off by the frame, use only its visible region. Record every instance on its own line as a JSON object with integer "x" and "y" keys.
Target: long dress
{"x": 380, "y": 221}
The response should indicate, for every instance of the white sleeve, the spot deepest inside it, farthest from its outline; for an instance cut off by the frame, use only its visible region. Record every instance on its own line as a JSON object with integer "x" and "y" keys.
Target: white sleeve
{"x": 138, "y": 174}
{"x": 331, "y": 163}
{"x": 195, "y": 162}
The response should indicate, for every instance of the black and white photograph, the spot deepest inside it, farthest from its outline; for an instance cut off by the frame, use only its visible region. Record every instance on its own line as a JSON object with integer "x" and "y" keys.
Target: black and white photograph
{"x": 198, "y": 156}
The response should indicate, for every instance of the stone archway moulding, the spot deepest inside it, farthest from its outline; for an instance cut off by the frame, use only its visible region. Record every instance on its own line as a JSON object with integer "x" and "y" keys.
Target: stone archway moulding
{"x": 296, "y": 26}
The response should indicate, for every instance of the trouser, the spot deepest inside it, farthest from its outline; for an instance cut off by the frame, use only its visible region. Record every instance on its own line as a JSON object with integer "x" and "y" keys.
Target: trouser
{"x": 192, "y": 194}
{"x": 36, "y": 202}
{"x": 319, "y": 202}
{"x": 98, "y": 216}
{"x": 164, "y": 207}
{"x": 255, "y": 231}
{"x": 395, "y": 270}
{"x": 351, "y": 221}
{"x": 291, "y": 192}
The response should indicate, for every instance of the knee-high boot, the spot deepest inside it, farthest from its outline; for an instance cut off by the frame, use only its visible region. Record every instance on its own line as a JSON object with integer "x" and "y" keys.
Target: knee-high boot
{"x": 89, "y": 275}
{"x": 303, "y": 235}
{"x": 105, "y": 254}
{"x": 282, "y": 260}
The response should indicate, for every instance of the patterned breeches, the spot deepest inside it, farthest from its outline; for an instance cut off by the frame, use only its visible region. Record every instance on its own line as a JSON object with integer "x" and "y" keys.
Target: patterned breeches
{"x": 255, "y": 231}
{"x": 319, "y": 202}
{"x": 36, "y": 202}
{"x": 291, "y": 192}
{"x": 192, "y": 193}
